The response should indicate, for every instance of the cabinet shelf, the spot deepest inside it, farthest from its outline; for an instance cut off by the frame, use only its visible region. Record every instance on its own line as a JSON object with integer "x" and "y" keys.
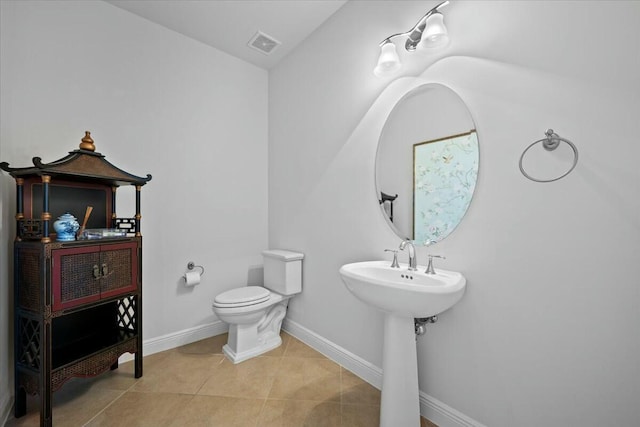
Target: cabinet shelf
{"x": 83, "y": 333}
{"x": 87, "y": 347}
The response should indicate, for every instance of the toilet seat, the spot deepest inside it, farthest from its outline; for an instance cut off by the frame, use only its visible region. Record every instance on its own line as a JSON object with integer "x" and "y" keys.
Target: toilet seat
{"x": 242, "y": 297}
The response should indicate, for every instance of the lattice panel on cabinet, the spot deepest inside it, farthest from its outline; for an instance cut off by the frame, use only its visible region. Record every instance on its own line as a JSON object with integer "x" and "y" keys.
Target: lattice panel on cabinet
{"x": 127, "y": 313}
{"x": 29, "y": 343}
{"x": 30, "y": 229}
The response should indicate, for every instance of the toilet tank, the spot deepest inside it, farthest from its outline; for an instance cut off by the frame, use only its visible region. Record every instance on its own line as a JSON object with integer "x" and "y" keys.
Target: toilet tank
{"x": 283, "y": 271}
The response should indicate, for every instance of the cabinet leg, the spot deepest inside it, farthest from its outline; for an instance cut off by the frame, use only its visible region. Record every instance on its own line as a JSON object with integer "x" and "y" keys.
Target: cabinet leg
{"x": 114, "y": 366}
{"x": 138, "y": 362}
{"x": 46, "y": 413}
{"x": 20, "y": 406}
{"x": 46, "y": 390}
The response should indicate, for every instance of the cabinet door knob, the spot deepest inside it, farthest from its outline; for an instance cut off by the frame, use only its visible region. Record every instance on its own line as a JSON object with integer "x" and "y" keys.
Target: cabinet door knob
{"x": 105, "y": 270}
{"x": 96, "y": 272}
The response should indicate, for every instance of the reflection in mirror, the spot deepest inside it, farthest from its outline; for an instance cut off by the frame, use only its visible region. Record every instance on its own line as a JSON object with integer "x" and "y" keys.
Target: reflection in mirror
{"x": 387, "y": 204}
{"x": 427, "y": 164}
{"x": 444, "y": 176}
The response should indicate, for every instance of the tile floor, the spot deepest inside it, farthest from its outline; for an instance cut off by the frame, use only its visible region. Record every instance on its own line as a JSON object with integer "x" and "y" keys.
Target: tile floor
{"x": 195, "y": 385}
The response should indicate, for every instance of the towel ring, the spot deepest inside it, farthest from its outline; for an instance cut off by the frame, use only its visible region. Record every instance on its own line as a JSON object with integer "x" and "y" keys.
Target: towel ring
{"x": 550, "y": 143}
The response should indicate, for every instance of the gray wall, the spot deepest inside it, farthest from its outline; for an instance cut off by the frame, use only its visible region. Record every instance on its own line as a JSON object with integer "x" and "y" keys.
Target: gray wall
{"x": 156, "y": 102}
{"x": 547, "y": 333}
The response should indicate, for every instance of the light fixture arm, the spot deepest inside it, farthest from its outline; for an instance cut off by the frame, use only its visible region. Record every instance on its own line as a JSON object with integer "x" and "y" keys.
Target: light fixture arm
{"x": 414, "y": 34}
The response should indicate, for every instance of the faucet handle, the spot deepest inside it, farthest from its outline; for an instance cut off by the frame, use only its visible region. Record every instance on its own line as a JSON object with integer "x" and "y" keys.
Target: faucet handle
{"x": 394, "y": 264}
{"x": 430, "y": 269}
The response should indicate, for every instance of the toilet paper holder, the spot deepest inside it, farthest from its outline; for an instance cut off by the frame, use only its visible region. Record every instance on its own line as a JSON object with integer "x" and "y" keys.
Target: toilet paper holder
{"x": 191, "y": 265}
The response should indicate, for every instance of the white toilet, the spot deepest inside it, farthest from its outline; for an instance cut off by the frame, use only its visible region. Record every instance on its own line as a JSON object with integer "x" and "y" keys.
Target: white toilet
{"x": 255, "y": 313}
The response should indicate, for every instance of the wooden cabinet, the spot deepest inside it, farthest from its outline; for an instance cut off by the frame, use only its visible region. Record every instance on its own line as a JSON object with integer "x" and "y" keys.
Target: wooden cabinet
{"x": 77, "y": 304}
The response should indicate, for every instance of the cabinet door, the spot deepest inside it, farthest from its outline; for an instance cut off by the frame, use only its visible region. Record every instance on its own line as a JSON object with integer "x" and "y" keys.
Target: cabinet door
{"x": 76, "y": 276}
{"x": 87, "y": 274}
{"x": 119, "y": 269}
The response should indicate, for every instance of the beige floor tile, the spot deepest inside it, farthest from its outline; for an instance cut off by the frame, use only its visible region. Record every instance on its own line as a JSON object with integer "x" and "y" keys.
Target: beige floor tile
{"x": 287, "y": 413}
{"x": 196, "y": 385}
{"x": 73, "y": 405}
{"x": 142, "y": 409}
{"x": 211, "y": 345}
{"x": 178, "y": 373}
{"x": 301, "y": 388}
{"x": 149, "y": 361}
{"x": 307, "y": 379}
{"x": 426, "y": 423}
{"x": 279, "y": 351}
{"x": 356, "y": 391}
{"x": 297, "y": 348}
{"x": 360, "y": 416}
{"x": 250, "y": 379}
{"x": 311, "y": 367}
{"x": 260, "y": 366}
{"x": 219, "y": 411}
{"x": 119, "y": 379}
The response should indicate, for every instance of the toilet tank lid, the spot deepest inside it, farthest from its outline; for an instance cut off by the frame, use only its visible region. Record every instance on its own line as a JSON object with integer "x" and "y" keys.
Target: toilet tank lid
{"x": 283, "y": 255}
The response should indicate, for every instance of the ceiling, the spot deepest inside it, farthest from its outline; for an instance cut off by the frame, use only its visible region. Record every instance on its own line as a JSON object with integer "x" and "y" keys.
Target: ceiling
{"x": 229, "y": 25}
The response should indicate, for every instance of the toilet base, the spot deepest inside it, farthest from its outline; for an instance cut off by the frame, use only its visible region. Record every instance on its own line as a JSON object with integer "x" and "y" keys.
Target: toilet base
{"x": 238, "y": 357}
{"x": 247, "y": 340}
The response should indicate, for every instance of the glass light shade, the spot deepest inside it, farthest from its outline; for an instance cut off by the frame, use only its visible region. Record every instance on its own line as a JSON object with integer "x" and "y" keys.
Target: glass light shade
{"x": 389, "y": 62}
{"x": 435, "y": 33}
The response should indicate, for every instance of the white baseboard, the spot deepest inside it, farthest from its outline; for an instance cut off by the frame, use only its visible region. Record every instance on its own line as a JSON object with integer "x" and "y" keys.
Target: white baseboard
{"x": 177, "y": 339}
{"x": 444, "y": 415}
{"x": 430, "y": 407}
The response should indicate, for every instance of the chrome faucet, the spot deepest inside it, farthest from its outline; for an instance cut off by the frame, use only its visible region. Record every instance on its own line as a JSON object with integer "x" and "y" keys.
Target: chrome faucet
{"x": 413, "y": 264}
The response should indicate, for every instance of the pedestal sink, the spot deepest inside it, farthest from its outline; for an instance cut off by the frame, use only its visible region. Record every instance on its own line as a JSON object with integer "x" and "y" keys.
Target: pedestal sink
{"x": 402, "y": 295}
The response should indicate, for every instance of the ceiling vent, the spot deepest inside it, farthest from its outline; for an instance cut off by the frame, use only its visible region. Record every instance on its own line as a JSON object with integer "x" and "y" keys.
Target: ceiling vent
{"x": 263, "y": 43}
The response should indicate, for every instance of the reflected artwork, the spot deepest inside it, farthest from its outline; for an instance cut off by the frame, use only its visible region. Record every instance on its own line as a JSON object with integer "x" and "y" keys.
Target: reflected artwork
{"x": 444, "y": 177}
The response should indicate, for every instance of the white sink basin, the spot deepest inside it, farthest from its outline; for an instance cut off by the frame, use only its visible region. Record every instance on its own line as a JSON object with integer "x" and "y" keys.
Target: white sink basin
{"x": 401, "y": 292}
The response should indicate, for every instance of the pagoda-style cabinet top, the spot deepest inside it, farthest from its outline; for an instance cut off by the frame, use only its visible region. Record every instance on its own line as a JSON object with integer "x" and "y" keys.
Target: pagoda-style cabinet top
{"x": 81, "y": 180}
{"x": 83, "y": 164}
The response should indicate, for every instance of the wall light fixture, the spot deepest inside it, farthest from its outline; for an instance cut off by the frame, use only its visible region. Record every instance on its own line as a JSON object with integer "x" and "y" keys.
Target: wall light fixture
{"x": 429, "y": 32}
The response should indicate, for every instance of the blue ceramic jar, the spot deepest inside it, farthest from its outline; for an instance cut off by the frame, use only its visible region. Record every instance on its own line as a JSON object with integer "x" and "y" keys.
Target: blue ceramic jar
{"x": 66, "y": 227}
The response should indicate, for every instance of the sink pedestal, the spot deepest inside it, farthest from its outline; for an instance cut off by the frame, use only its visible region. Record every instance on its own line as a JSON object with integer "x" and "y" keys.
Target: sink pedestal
{"x": 401, "y": 296}
{"x": 400, "y": 404}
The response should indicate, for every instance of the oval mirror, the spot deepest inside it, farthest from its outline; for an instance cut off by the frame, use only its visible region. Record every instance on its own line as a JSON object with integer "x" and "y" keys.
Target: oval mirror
{"x": 427, "y": 164}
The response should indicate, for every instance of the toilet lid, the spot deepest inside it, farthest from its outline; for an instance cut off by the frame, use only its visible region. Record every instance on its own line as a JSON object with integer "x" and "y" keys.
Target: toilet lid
{"x": 240, "y": 297}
